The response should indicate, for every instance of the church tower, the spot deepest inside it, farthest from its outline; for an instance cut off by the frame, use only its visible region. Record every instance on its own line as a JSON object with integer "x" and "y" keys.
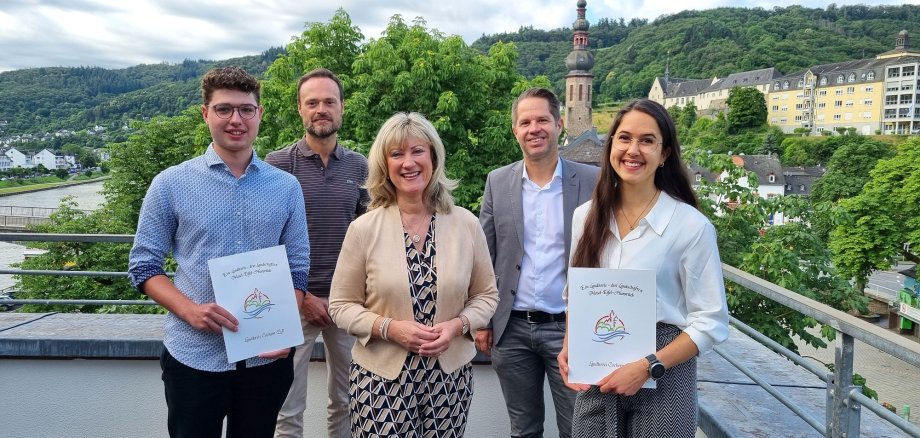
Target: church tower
{"x": 579, "y": 81}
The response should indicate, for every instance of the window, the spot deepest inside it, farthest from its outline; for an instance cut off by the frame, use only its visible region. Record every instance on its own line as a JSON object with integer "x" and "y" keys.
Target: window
{"x": 798, "y": 106}
{"x": 789, "y": 187}
{"x": 838, "y": 103}
{"x": 785, "y": 108}
{"x": 798, "y": 118}
{"x": 891, "y": 100}
{"x": 801, "y": 187}
{"x": 849, "y": 104}
{"x": 907, "y": 87}
{"x": 851, "y": 90}
{"x": 838, "y": 93}
{"x": 870, "y": 76}
{"x": 839, "y": 79}
{"x": 894, "y": 72}
{"x": 823, "y": 80}
{"x": 891, "y": 113}
{"x": 820, "y": 117}
{"x": 785, "y": 85}
{"x": 822, "y": 105}
{"x": 772, "y": 178}
{"x": 801, "y": 82}
{"x": 867, "y": 101}
{"x": 836, "y": 116}
{"x": 906, "y": 98}
{"x": 867, "y": 115}
{"x": 776, "y": 85}
{"x": 892, "y": 87}
{"x": 869, "y": 89}
{"x": 775, "y": 108}
{"x": 848, "y": 116}
{"x": 907, "y": 71}
{"x": 851, "y": 77}
{"x": 699, "y": 177}
{"x": 822, "y": 93}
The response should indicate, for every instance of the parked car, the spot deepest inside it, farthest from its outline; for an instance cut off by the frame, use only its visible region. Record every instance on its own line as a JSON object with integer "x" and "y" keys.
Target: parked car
{"x": 7, "y": 294}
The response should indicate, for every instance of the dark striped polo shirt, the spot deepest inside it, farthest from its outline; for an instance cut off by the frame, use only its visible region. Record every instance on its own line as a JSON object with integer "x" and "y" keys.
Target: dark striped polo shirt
{"x": 334, "y": 196}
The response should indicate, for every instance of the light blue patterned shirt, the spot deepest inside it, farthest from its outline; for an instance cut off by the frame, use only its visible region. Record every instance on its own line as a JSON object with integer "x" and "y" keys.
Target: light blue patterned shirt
{"x": 200, "y": 211}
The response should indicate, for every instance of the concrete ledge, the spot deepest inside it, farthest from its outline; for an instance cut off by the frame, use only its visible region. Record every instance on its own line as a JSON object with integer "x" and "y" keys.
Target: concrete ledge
{"x": 732, "y": 405}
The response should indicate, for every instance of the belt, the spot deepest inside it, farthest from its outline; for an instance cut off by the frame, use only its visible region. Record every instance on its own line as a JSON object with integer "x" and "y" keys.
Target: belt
{"x": 538, "y": 317}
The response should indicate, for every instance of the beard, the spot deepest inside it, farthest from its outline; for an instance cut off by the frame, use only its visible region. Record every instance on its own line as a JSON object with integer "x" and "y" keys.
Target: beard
{"x": 323, "y": 132}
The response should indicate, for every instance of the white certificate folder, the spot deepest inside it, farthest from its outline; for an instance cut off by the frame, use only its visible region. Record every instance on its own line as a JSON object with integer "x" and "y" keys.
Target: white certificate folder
{"x": 256, "y": 287}
{"x": 611, "y": 321}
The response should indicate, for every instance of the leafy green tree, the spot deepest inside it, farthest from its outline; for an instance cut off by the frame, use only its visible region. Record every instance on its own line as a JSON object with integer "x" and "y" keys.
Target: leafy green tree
{"x": 772, "y": 141}
{"x": 884, "y": 219}
{"x": 747, "y": 108}
{"x": 61, "y": 173}
{"x": 848, "y": 168}
{"x": 788, "y": 254}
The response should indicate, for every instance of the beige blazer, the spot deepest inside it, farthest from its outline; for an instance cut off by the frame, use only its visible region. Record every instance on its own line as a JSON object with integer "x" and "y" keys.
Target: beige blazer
{"x": 371, "y": 279}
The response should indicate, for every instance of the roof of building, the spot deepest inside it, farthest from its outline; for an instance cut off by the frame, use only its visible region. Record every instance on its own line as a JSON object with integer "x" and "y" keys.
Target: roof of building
{"x": 686, "y": 87}
{"x": 763, "y": 166}
{"x": 587, "y": 148}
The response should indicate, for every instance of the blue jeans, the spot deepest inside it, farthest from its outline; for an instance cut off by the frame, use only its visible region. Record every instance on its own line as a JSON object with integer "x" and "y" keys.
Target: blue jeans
{"x": 524, "y": 355}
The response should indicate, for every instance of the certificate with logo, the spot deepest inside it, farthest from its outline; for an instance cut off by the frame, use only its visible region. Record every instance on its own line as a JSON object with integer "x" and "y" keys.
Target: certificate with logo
{"x": 611, "y": 321}
{"x": 256, "y": 287}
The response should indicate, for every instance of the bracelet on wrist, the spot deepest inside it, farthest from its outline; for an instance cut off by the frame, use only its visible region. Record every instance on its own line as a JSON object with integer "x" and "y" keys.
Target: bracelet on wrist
{"x": 385, "y": 328}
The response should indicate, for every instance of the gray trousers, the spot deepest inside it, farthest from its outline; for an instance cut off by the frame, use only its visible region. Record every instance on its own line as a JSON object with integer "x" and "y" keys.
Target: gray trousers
{"x": 524, "y": 355}
{"x": 670, "y": 410}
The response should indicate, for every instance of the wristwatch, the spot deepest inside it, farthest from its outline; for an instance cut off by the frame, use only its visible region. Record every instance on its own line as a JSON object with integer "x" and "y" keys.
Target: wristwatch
{"x": 465, "y": 328}
{"x": 655, "y": 367}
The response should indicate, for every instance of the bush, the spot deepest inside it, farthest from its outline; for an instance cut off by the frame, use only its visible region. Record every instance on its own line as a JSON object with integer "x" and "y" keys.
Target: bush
{"x": 88, "y": 173}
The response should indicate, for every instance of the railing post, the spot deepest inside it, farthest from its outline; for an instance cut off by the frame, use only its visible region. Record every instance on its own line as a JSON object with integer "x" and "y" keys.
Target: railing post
{"x": 842, "y": 415}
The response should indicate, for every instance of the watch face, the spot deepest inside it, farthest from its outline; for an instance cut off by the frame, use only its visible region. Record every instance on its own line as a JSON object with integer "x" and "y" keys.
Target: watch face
{"x": 657, "y": 370}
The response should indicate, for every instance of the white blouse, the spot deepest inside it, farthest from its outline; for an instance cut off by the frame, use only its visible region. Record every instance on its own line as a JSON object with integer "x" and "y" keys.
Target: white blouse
{"x": 679, "y": 244}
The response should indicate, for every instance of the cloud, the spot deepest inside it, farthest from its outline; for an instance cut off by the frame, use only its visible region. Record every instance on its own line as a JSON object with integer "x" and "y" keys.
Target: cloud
{"x": 118, "y": 33}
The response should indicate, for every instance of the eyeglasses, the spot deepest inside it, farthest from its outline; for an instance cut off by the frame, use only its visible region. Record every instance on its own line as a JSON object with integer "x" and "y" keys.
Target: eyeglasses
{"x": 623, "y": 141}
{"x": 225, "y": 110}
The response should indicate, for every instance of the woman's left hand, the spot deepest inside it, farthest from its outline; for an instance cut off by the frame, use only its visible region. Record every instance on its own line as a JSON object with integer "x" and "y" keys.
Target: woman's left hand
{"x": 626, "y": 380}
{"x": 446, "y": 330}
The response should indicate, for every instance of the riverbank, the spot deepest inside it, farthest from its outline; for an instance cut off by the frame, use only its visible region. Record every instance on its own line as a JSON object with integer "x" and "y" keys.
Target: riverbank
{"x": 47, "y": 186}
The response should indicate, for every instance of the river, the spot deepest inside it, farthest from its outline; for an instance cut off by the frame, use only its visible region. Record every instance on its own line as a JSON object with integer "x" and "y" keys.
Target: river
{"x": 87, "y": 196}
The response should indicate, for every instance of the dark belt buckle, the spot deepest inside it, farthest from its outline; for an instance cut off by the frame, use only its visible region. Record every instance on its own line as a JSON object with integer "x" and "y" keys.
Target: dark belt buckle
{"x": 530, "y": 319}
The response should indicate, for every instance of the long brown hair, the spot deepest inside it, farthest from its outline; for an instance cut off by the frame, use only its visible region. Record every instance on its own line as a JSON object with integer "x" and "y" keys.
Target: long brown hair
{"x": 672, "y": 179}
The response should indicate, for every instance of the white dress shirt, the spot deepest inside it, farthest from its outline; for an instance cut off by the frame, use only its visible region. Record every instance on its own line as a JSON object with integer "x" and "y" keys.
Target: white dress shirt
{"x": 679, "y": 244}
{"x": 543, "y": 266}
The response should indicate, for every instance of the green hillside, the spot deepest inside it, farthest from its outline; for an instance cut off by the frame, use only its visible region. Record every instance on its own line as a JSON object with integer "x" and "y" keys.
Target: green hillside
{"x": 716, "y": 42}
{"x": 47, "y": 99}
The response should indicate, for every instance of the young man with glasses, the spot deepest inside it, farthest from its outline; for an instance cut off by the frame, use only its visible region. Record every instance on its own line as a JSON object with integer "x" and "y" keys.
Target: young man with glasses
{"x": 224, "y": 202}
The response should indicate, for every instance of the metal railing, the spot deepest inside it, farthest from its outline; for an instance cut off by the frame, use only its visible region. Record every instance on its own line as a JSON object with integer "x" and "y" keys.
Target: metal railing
{"x": 844, "y": 399}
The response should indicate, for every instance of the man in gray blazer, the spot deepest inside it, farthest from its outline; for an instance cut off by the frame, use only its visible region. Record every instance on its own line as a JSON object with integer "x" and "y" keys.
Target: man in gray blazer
{"x": 526, "y": 214}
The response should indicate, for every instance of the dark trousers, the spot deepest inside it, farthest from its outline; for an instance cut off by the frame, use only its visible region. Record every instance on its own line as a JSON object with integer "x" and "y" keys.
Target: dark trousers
{"x": 250, "y": 398}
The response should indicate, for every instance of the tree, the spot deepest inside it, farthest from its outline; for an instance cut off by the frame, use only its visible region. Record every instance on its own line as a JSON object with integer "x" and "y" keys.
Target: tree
{"x": 788, "y": 255}
{"x": 747, "y": 108}
{"x": 61, "y": 173}
{"x": 849, "y": 166}
{"x": 884, "y": 219}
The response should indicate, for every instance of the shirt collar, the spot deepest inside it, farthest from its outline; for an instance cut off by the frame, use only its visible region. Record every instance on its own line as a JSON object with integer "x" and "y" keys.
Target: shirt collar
{"x": 305, "y": 150}
{"x": 212, "y": 159}
{"x": 662, "y": 213}
{"x": 557, "y": 174}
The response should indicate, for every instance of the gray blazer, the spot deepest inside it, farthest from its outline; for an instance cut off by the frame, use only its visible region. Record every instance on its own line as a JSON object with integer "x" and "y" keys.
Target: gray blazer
{"x": 504, "y": 226}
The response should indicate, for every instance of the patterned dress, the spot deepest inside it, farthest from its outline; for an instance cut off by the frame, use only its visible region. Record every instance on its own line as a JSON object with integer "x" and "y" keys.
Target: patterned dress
{"x": 423, "y": 402}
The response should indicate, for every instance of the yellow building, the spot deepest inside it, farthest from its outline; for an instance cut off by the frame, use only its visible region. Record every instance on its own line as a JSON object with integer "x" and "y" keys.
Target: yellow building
{"x": 880, "y": 94}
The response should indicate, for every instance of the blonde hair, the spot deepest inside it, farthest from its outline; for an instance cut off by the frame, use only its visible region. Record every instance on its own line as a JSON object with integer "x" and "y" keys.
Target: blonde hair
{"x": 394, "y": 133}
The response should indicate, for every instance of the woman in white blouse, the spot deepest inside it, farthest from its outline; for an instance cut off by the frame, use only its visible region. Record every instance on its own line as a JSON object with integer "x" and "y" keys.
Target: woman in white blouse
{"x": 643, "y": 215}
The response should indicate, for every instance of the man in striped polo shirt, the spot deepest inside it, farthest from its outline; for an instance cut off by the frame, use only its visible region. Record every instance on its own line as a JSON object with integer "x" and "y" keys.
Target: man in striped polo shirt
{"x": 332, "y": 179}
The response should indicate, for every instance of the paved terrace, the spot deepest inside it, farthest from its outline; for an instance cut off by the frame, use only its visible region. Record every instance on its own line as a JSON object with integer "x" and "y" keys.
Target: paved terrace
{"x": 92, "y": 375}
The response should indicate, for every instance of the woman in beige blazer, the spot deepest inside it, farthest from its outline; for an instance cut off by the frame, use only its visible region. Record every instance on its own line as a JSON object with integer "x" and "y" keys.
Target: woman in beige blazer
{"x": 414, "y": 278}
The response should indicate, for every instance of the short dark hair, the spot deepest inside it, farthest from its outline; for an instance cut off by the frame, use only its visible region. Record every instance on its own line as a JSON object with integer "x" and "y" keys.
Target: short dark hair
{"x": 321, "y": 73}
{"x": 228, "y": 78}
{"x": 541, "y": 93}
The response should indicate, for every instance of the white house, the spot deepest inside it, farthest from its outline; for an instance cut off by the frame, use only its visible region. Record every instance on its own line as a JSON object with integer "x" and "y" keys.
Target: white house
{"x": 20, "y": 159}
{"x": 51, "y": 160}
{"x": 5, "y": 162}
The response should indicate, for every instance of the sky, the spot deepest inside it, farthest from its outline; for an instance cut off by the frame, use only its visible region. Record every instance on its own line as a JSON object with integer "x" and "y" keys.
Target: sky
{"x": 122, "y": 33}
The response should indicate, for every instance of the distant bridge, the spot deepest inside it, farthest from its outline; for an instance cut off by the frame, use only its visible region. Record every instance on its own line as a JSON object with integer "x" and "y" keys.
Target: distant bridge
{"x": 18, "y": 218}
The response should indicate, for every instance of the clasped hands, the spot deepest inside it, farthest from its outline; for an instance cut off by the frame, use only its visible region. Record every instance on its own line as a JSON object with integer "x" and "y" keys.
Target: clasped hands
{"x": 422, "y": 339}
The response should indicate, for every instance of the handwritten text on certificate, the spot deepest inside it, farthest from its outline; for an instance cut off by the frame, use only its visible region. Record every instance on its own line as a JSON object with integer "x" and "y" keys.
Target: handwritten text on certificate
{"x": 256, "y": 287}
{"x": 611, "y": 321}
